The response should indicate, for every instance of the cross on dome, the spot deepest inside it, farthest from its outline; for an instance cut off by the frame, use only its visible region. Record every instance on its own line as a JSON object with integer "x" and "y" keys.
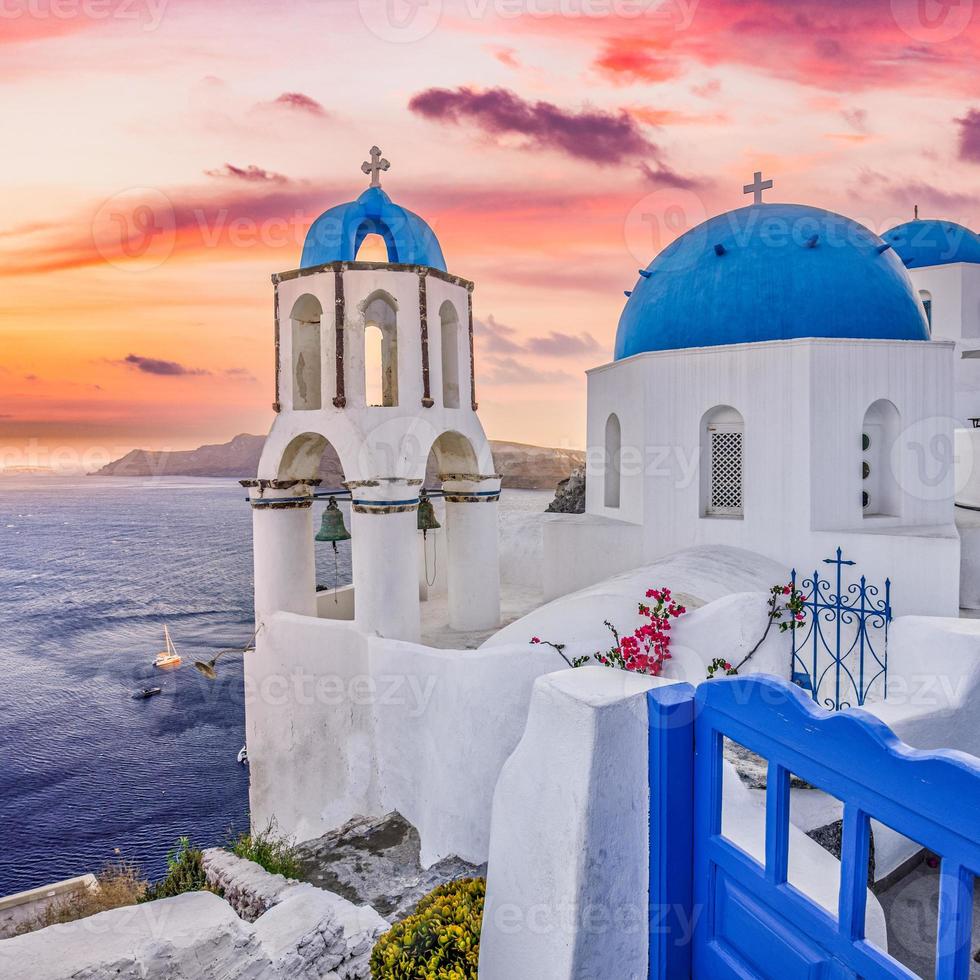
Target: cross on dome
{"x": 757, "y": 186}
{"x": 374, "y": 168}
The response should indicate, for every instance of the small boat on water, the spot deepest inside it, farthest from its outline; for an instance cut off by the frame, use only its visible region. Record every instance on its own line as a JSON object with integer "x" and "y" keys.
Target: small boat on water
{"x": 168, "y": 657}
{"x": 146, "y": 692}
{"x": 243, "y": 755}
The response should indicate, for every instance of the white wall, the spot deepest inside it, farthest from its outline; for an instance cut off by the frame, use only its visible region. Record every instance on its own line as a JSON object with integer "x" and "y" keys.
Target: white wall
{"x": 340, "y": 724}
{"x": 955, "y": 290}
{"x": 580, "y": 549}
{"x": 803, "y": 403}
{"x": 567, "y": 887}
{"x": 950, "y": 286}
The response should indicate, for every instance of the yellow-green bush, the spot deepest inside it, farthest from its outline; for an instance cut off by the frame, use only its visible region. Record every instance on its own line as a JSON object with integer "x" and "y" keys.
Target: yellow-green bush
{"x": 440, "y": 940}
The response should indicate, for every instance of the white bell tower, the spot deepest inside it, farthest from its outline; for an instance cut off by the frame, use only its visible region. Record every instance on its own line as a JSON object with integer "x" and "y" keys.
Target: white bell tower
{"x": 383, "y": 414}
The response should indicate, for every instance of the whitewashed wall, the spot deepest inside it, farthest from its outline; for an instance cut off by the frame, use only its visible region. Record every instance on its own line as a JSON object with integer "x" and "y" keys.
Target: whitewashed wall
{"x": 803, "y": 404}
{"x": 955, "y": 291}
{"x": 339, "y": 723}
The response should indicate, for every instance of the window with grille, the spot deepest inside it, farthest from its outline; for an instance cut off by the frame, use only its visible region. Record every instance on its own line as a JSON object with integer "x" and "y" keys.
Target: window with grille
{"x": 725, "y": 483}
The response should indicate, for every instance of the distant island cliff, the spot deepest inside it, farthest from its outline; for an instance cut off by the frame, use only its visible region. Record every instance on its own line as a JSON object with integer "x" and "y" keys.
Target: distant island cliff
{"x": 523, "y": 467}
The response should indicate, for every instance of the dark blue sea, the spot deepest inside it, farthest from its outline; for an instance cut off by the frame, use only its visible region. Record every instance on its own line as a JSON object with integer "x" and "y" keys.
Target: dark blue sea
{"x": 90, "y": 570}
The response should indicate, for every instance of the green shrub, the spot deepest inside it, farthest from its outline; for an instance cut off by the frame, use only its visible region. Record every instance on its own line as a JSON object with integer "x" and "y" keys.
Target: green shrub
{"x": 439, "y": 941}
{"x": 185, "y": 873}
{"x": 274, "y": 853}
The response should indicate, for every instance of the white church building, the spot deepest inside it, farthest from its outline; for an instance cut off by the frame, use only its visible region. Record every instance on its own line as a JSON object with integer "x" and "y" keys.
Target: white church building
{"x": 783, "y": 383}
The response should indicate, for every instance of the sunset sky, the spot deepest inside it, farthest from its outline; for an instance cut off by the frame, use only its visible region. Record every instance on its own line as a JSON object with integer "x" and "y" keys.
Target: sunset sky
{"x": 162, "y": 158}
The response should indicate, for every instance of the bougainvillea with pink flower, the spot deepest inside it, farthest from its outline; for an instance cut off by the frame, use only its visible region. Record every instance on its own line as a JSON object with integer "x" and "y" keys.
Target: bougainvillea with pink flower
{"x": 647, "y": 648}
{"x": 787, "y": 609}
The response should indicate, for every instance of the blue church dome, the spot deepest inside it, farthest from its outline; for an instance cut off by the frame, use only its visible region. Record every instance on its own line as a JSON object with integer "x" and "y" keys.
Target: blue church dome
{"x": 927, "y": 242}
{"x": 770, "y": 272}
{"x": 338, "y": 233}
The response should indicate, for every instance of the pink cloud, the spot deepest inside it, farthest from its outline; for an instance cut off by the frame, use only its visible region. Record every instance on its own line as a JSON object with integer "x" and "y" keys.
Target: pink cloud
{"x": 837, "y": 46}
{"x": 506, "y": 56}
{"x": 301, "y": 103}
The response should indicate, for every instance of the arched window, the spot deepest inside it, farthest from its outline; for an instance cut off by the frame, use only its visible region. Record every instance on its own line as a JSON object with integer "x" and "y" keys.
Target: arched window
{"x": 926, "y": 298}
{"x": 380, "y": 350}
{"x": 450, "y": 355}
{"x": 879, "y": 487}
{"x": 305, "y": 320}
{"x": 722, "y": 447}
{"x": 613, "y": 461}
{"x": 373, "y": 248}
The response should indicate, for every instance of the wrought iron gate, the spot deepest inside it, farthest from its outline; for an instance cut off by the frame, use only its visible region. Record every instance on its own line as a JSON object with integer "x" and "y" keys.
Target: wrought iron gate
{"x": 837, "y": 655}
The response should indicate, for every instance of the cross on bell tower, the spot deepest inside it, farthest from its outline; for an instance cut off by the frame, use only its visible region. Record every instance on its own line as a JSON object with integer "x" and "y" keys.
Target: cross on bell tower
{"x": 378, "y": 163}
{"x": 757, "y": 186}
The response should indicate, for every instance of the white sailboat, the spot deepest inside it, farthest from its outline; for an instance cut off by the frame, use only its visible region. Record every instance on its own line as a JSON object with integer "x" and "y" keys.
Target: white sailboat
{"x": 168, "y": 657}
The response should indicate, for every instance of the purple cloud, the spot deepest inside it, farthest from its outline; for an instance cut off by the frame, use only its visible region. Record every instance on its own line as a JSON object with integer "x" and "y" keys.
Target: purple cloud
{"x": 251, "y": 174}
{"x": 508, "y": 371}
{"x": 953, "y": 205}
{"x": 970, "y": 136}
{"x": 498, "y": 340}
{"x": 153, "y": 365}
{"x": 563, "y": 344}
{"x": 592, "y": 134}
{"x": 495, "y": 337}
{"x": 662, "y": 176}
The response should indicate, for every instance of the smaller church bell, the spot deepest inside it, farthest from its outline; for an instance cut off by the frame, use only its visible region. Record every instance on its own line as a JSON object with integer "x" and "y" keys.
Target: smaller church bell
{"x": 332, "y": 526}
{"x": 427, "y": 515}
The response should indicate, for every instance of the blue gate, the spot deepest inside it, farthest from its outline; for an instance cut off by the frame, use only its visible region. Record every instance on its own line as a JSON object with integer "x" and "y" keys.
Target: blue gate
{"x": 748, "y": 921}
{"x": 836, "y": 655}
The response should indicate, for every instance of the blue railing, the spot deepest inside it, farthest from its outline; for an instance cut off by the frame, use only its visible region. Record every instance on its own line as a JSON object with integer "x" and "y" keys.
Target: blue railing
{"x": 837, "y": 647}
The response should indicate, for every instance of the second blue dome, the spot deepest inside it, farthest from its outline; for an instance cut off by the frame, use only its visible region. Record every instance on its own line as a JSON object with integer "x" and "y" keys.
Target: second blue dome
{"x": 770, "y": 272}
{"x": 926, "y": 242}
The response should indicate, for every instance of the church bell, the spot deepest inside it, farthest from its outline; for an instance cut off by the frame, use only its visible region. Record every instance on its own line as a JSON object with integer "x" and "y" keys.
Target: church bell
{"x": 427, "y": 515}
{"x": 332, "y": 526}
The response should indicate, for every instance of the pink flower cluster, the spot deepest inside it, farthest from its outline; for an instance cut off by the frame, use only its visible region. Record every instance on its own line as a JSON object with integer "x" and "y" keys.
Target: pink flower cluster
{"x": 648, "y": 648}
